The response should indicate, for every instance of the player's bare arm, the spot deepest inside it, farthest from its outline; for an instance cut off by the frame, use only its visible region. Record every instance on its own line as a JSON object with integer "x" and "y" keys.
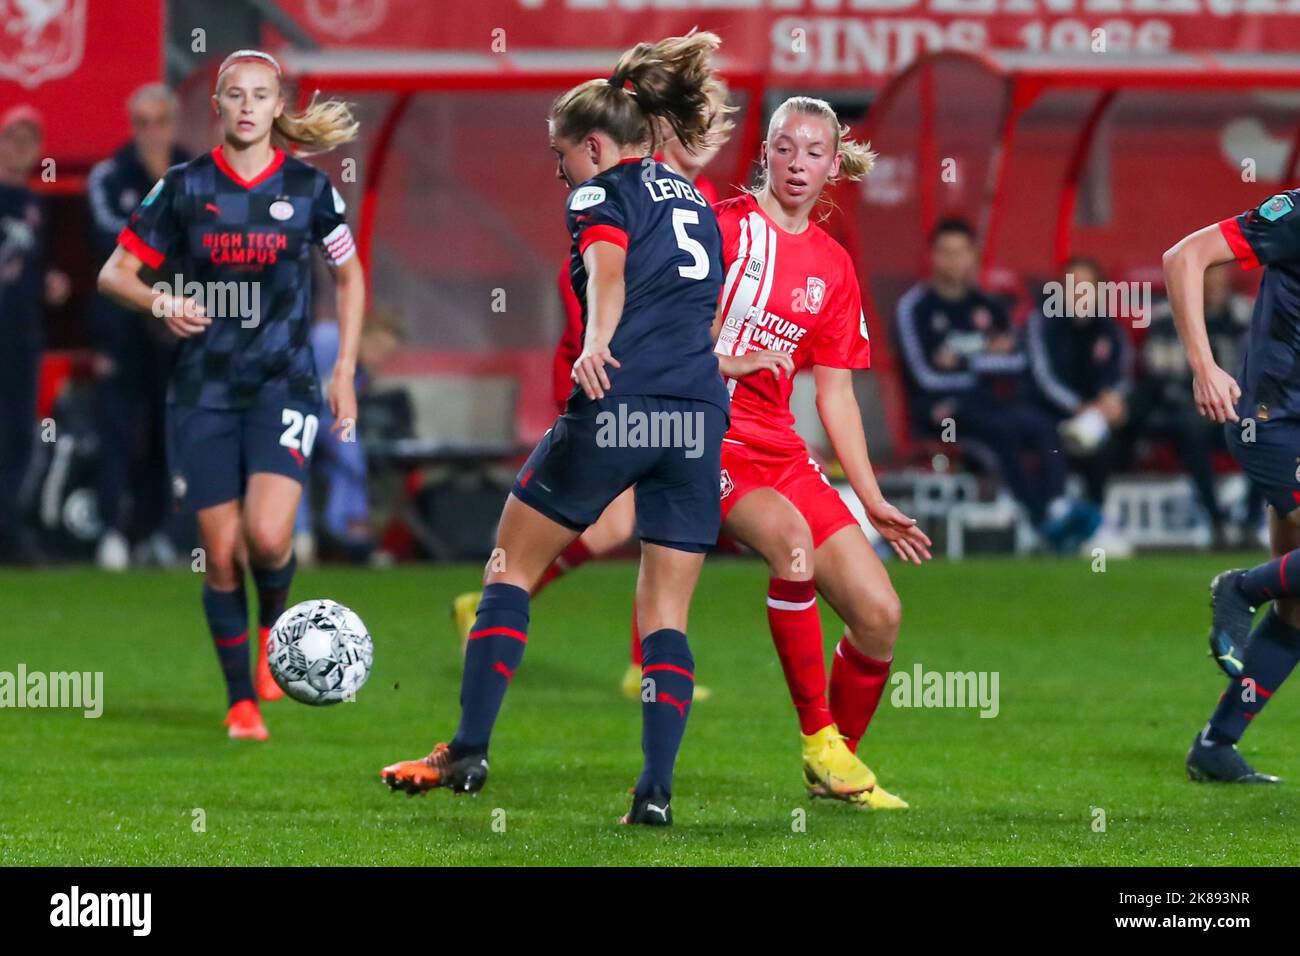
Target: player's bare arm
{"x": 837, "y": 407}
{"x": 604, "y": 262}
{"x": 738, "y": 366}
{"x": 1216, "y": 391}
{"x": 119, "y": 279}
{"x": 350, "y": 295}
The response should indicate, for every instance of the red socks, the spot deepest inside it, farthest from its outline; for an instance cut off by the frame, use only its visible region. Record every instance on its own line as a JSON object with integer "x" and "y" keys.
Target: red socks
{"x": 857, "y": 681}
{"x": 636, "y": 638}
{"x": 797, "y": 633}
{"x": 574, "y": 556}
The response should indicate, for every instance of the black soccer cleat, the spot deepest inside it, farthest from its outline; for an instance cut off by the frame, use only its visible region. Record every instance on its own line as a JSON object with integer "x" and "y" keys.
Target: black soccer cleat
{"x": 1231, "y": 620}
{"x": 1210, "y": 762}
{"x": 651, "y": 809}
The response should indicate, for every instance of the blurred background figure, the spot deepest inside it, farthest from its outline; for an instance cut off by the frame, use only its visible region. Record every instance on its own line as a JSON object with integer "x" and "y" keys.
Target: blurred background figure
{"x": 1081, "y": 371}
{"x": 25, "y": 288}
{"x": 1163, "y": 406}
{"x": 133, "y": 350}
{"x": 963, "y": 366}
{"x": 339, "y": 467}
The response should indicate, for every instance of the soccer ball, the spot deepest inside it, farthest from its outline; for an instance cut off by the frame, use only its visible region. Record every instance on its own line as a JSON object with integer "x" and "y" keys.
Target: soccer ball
{"x": 320, "y": 652}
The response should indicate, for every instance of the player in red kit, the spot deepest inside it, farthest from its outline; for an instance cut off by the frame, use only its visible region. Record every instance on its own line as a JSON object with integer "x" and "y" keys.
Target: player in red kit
{"x": 618, "y": 522}
{"x": 791, "y": 288}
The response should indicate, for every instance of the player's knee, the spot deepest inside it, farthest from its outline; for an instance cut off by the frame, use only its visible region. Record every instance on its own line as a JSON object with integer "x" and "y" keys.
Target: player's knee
{"x": 221, "y": 570}
{"x": 789, "y": 550}
{"x": 879, "y": 614}
{"x": 268, "y": 545}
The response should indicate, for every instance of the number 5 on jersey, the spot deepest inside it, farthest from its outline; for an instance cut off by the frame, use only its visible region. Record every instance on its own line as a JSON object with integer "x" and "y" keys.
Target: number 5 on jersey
{"x": 699, "y": 269}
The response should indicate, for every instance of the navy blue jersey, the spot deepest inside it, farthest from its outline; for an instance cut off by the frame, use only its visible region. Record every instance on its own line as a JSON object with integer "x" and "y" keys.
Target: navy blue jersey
{"x": 1269, "y": 235}
{"x": 22, "y": 270}
{"x": 254, "y": 239}
{"x": 672, "y": 276}
{"x": 931, "y": 327}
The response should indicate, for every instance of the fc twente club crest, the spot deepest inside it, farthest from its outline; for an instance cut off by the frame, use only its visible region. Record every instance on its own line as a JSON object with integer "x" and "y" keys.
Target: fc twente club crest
{"x": 41, "y": 40}
{"x": 814, "y": 294}
{"x": 345, "y": 19}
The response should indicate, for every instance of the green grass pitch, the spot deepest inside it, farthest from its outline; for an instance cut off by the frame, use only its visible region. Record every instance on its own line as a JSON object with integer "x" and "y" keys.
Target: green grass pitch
{"x": 1103, "y": 682}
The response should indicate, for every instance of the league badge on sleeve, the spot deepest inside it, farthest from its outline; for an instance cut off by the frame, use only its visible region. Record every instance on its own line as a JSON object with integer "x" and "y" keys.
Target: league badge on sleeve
{"x": 152, "y": 194}
{"x": 1275, "y": 208}
{"x": 587, "y": 197}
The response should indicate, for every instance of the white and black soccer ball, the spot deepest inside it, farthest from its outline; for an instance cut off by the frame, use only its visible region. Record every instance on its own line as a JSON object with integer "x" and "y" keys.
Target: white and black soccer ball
{"x": 320, "y": 652}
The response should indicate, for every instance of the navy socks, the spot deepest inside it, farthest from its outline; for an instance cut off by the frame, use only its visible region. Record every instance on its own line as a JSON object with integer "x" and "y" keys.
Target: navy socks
{"x": 669, "y": 668}
{"x": 496, "y": 646}
{"x": 1271, "y": 654}
{"x": 227, "y": 614}
{"x": 273, "y": 591}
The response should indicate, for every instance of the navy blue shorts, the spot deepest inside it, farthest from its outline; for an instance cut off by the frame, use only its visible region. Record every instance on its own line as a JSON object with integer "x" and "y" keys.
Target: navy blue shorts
{"x": 211, "y": 452}
{"x": 669, "y": 448}
{"x": 1271, "y": 461}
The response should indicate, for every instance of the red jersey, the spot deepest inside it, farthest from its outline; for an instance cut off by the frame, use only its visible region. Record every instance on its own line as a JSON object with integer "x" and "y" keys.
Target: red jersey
{"x": 787, "y": 292}
{"x": 570, "y": 345}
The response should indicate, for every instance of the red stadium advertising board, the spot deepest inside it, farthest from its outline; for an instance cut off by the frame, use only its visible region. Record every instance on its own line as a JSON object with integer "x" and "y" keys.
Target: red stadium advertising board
{"x": 77, "y": 61}
{"x": 825, "y": 42}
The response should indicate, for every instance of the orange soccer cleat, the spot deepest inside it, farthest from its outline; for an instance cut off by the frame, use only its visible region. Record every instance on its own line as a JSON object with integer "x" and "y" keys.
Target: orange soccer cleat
{"x": 245, "y": 722}
{"x": 267, "y": 688}
{"x": 439, "y": 769}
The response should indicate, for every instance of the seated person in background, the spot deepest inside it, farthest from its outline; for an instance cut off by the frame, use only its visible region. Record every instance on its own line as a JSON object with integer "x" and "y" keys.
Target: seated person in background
{"x": 1163, "y": 406}
{"x": 340, "y": 459}
{"x": 1081, "y": 369}
{"x": 963, "y": 365}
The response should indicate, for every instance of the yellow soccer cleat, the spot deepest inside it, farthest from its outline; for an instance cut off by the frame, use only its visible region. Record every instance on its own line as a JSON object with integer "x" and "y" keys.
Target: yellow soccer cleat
{"x": 464, "y": 609}
{"x": 877, "y": 798}
{"x": 631, "y": 683}
{"x": 830, "y": 769}
{"x": 631, "y": 686}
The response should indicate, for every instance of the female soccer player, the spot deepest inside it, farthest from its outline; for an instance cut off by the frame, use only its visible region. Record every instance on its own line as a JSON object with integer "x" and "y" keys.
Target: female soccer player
{"x": 646, "y": 264}
{"x": 239, "y": 225}
{"x": 618, "y": 522}
{"x": 791, "y": 288}
{"x": 1261, "y": 419}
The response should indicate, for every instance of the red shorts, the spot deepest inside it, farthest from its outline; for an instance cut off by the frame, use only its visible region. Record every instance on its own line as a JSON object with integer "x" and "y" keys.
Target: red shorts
{"x": 795, "y": 476}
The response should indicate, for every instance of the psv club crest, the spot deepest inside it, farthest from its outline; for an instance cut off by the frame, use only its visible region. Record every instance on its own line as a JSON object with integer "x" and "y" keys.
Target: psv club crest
{"x": 814, "y": 294}
{"x": 41, "y": 40}
{"x": 345, "y": 19}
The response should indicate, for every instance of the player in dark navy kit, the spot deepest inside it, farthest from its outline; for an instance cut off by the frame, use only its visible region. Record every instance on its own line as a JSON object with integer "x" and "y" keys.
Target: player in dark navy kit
{"x": 650, "y": 410}
{"x": 1261, "y": 418}
{"x": 237, "y": 227}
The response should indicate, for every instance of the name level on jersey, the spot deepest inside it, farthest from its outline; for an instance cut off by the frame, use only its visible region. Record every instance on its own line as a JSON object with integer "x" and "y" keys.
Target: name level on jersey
{"x": 667, "y": 188}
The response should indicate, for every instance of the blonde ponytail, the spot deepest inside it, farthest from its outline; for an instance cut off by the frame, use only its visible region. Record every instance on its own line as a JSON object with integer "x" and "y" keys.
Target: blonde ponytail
{"x": 319, "y": 127}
